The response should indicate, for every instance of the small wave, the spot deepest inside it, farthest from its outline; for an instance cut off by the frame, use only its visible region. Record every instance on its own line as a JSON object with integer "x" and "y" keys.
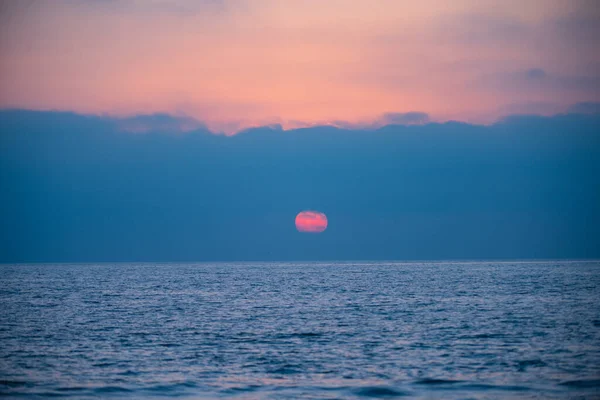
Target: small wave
{"x": 485, "y": 336}
{"x": 306, "y": 334}
{"x": 435, "y": 381}
{"x": 286, "y": 370}
{"x": 482, "y": 386}
{"x": 71, "y": 389}
{"x": 112, "y": 389}
{"x": 77, "y": 391}
{"x": 235, "y": 390}
{"x": 524, "y": 364}
{"x": 582, "y": 384}
{"x": 129, "y": 373}
{"x": 301, "y": 335}
{"x": 379, "y": 392}
{"x": 9, "y": 383}
{"x": 104, "y": 364}
{"x": 172, "y": 388}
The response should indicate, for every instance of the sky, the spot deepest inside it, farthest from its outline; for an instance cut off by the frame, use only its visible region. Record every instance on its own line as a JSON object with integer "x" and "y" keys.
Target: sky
{"x": 197, "y": 130}
{"x": 234, "y": 64}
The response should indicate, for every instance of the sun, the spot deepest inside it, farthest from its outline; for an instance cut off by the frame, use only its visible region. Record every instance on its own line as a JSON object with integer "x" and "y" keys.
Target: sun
{"x": 311, "y": 221}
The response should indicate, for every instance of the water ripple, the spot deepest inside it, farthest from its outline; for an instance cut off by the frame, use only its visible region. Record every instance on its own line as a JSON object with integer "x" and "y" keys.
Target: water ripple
{"x": 301, "y": 330}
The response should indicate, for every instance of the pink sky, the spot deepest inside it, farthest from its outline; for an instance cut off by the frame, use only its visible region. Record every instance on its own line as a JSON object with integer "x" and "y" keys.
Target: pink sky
{"x": 239, "y": 63}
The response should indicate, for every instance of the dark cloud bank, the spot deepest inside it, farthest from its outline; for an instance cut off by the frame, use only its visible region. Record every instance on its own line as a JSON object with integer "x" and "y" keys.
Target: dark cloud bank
{"x": 77, "y": 188}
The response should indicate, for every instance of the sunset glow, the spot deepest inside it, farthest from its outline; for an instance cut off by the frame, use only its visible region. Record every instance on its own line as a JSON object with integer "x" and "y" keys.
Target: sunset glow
{"x": 233, "y": 64}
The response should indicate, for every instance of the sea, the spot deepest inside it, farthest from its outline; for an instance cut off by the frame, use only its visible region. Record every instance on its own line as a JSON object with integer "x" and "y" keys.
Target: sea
{"x": 301, "y": 330}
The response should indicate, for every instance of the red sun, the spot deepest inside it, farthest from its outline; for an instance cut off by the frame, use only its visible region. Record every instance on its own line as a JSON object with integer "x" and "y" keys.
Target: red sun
{"x": 311, "y": 221}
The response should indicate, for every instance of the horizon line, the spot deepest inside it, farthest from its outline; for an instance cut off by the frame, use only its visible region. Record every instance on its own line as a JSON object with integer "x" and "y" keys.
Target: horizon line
{"x": 413, "y": 261}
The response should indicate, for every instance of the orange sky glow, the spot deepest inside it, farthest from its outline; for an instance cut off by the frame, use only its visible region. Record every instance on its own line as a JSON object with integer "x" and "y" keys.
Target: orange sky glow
{"x": 233, "y": 64}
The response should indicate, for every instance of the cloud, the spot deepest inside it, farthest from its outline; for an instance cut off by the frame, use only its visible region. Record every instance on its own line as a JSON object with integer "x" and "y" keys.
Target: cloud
{"x": 579, "y": 30}
{"x": 484, "y": 29}
{"x": 390, "y": 118}
{"x": 163, "y": 123}
{"x": 76, "y": 188}
{"x": 533, "y": 107}
{"x": 409, "y": 118}
{"x": 585, "y": 108}
{"x": 535, "y": 74}
{"x": 180, "y": 7}
{"x": 538, "y": 79}
{"x": 573, "y": 30}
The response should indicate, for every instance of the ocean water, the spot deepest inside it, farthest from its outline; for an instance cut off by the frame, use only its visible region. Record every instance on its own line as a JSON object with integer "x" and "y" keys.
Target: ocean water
{"x": 456, "y": 330}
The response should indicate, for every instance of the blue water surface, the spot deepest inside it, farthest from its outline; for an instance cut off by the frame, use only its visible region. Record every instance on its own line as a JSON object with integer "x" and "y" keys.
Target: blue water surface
{"x": 444, "y": 330}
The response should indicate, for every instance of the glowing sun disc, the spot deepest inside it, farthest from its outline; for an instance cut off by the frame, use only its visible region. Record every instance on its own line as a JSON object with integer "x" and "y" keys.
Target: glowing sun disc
{"x": 311, "y": 221}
